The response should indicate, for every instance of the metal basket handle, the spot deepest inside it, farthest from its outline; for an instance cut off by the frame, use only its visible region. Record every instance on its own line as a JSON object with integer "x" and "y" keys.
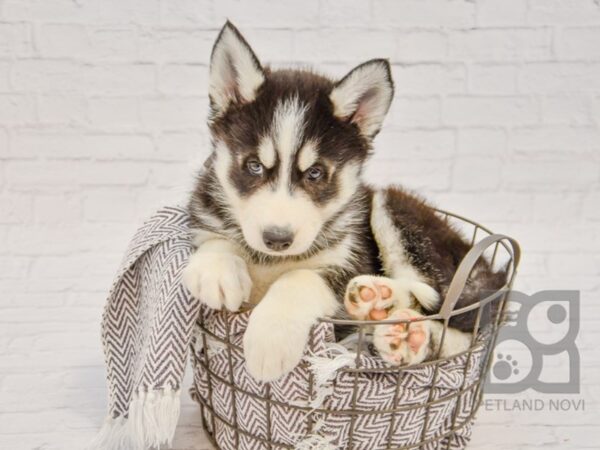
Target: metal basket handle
{"x": 466, "y": 265}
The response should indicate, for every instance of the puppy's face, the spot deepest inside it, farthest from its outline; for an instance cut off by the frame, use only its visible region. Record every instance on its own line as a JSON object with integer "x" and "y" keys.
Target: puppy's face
{"x": 289, "y": 145}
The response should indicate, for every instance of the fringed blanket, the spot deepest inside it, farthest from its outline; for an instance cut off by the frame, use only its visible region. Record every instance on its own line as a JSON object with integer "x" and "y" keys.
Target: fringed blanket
{"x": 146, "y": 333}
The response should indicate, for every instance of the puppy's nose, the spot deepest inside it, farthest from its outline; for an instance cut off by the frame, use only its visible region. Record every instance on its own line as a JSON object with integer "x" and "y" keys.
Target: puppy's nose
{"x": 278, "y": 238}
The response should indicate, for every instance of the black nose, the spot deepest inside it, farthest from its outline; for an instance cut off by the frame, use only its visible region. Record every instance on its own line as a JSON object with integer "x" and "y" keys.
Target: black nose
{"x": 278, "y": 238}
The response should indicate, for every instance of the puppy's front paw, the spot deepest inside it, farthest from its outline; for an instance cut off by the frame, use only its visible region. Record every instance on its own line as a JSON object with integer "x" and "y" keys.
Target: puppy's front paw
{"x": 272, "y": 345}
{"x": 218, "y": 279}
{"x": 404, "y": 343}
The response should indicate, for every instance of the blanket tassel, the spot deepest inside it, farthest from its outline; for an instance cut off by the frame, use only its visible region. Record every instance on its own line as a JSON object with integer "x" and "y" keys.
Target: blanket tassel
{"x": 151, "y": 422}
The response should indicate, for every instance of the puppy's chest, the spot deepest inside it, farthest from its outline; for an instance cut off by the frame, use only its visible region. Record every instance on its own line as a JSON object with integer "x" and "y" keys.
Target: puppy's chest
{"x": 264, "y": 275}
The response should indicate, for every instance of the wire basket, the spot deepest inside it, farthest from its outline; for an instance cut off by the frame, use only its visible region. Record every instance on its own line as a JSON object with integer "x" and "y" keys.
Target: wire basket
{"x": 364, "y": 403}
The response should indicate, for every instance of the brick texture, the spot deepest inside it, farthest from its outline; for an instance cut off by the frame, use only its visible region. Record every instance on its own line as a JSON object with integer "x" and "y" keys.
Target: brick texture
{"x": 102, "y": 120}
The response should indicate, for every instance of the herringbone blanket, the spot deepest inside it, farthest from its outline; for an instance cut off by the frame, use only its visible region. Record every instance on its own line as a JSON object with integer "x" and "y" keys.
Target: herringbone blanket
{"x": 146, "y": 331}
{"x": 151, "y": 322}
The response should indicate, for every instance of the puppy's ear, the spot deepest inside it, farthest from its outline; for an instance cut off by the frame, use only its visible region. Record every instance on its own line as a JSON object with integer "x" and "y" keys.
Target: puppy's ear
{"x": 363, "y": 96}
{"x": 235, "y": 72}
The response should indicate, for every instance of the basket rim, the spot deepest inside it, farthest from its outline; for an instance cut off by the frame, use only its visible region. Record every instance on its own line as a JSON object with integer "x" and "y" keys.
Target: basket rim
{"x": 476, "y": 346}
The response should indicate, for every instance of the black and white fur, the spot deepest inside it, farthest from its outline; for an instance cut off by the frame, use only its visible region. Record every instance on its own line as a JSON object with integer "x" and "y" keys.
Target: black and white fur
{"x": 283, "y": 220}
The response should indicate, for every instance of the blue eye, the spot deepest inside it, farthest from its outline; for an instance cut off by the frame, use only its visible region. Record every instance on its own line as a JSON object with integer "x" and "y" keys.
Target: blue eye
{"x": 314, "y": 173}
{"x": 255, "y": 167}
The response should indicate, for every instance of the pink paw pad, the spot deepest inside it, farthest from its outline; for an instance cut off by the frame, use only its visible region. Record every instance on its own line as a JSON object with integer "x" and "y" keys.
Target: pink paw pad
{"x": 368, "y": 297}
{"x": 403, "y": 343}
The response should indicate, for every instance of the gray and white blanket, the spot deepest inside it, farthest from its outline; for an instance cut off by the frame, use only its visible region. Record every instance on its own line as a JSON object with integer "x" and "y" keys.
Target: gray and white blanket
{"x": 146, "y": 332}
{"x": 151, "y": 323}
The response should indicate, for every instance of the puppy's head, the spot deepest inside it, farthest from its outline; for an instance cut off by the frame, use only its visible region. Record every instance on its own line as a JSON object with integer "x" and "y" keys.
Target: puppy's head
{"x": 289, "y": 144}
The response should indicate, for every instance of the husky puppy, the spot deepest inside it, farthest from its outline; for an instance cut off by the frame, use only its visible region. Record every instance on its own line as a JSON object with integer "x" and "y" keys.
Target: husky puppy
{"x": 283, "y": 220}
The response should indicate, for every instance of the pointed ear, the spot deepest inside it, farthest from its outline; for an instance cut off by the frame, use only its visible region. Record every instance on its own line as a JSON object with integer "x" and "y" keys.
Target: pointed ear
{"x": 363, "y": 96}
{"x": 235, "y": 72}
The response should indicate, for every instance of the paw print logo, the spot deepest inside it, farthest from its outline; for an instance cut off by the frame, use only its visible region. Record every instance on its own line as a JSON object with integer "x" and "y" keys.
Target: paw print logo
{"x": 505, "y": 367}
{"x": 543, "y": 326}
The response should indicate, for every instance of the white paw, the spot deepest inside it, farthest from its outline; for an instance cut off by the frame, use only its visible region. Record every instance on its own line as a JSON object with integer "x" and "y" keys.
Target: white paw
{"x": 218, "y": 279}
{"x": 273, "y": 345}
{"x": 403, "y": 344}
{"x": 370, "y": 297}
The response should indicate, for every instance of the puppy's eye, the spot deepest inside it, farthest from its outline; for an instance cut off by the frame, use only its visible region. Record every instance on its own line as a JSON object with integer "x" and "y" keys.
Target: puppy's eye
{"x": 314, "y": 173}
{"x": 255, "y": 167}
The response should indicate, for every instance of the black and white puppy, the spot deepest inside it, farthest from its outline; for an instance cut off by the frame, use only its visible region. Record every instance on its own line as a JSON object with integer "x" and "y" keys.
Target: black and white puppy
{"x": 282, "y": 218}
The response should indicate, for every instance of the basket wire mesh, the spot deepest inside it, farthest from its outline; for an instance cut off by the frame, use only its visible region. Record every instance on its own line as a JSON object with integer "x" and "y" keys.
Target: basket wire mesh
{"x": 505, "y": 253}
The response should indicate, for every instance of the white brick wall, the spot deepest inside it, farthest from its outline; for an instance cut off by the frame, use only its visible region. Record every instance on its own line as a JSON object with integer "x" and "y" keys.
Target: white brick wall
{"x": 102, "y": 108}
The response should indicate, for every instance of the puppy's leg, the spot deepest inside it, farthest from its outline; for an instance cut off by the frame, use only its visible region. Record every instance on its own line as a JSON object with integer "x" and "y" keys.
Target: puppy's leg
{"x": 217, "y": 275}
{"x": 279, "y": 325}
{"x": 398, "y": 240}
